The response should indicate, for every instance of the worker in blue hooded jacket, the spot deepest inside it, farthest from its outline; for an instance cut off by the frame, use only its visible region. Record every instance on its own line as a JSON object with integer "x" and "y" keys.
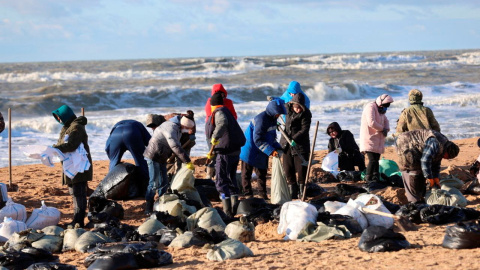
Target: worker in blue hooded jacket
{"x": 261, "y": 143}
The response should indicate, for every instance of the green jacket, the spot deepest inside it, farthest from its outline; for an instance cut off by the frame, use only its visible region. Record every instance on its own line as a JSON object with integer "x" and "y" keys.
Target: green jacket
{"x": 416, "y": 117}
{"x": 75, "y": 129}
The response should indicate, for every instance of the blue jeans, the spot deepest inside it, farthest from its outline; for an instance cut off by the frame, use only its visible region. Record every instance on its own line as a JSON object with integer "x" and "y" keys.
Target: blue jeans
{"x": 158, "y": 179}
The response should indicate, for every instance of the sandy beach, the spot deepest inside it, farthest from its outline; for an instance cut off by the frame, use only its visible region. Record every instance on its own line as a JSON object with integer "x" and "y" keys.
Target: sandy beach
{"x": 38, "y": 182}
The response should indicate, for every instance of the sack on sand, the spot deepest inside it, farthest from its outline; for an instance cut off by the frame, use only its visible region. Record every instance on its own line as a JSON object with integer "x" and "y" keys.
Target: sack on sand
{"x": 462, "y": 235}
{"x": 70, "y": 237}
{"x": 10, "y": 226}
{"x": 43, "y": 217}
{"x": 90, "y": 239}
{"x": 53, "y": 230}
{"x": 171, "y": 204}
{"x": 14, "y": 210}
{"x": 381, "y": 239}
{"x": 461, "y": 200}
{"x": 279, "y": 193}
{"x": 442, "y": 197}
{"x": 330, "y": 163}
{"x": 22, "y": 239}
{"x": 227, "y": 250}
{"x": 119, "y": 184}
{"x": 451, "y": 181}
{"x": 184, "y": 183}
{"x": 351, "y": 209}
{"x": 375, "y": 203}
{"x": 207, "y": 218}
{"x": 150, "y": 226}
{"x": 294, "y": 216}
{"x": 333, "y": 206}
{"x": 319, "y": 232}
{"x": 388, "y": 167}
{"x": 50, "y": 243}
{"x": 186, "y": 240}
{"x": 241, "y": 230}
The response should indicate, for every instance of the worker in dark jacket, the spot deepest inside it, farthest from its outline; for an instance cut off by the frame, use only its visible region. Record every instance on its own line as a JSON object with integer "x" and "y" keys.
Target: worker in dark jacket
{"x": 343, "y": 143}
{"x": 297, "y": 128}
{"x": 73, "y": 134}
{"x": 129, "y": 135}
{"x": 224, "y": 133}
{"x": 420, "y": 155}
{"x": 261, "y": 143}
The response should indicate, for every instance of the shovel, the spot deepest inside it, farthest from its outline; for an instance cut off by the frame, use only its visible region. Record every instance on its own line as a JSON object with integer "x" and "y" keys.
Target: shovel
{"x": 403, "y": 223}
{"x": 294, "y": 149}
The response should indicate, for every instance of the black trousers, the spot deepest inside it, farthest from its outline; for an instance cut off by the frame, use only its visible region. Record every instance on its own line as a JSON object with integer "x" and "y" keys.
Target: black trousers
{"x": 348, "y": 162}
{"x": 247, "y": 170}
{"x": 373, "y": 167}
{"x": 78, "y": 191}
{"x": 292, "y": 165}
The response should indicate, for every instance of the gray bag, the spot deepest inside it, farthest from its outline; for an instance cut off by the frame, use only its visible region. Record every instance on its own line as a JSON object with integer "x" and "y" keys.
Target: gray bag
{"x": 228, "y": 249}
{"x": 279, "y": 192}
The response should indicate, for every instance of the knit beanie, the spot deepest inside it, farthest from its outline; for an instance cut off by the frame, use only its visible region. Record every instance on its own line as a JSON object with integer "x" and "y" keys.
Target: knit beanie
{"x": 415, "y": 96}
{"x": 451, "y": 149}
{"x": 184, "y": 121}
{"x": 216, "y": 99}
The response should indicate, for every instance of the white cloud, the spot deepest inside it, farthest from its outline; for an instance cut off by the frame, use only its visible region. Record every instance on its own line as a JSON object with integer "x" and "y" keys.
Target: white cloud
{"x": 217, "y": 6}
{"x": 174, "y": 28}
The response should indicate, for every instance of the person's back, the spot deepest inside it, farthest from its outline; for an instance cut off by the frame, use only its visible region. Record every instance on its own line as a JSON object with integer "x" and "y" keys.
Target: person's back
{"x": 416, "y": 116}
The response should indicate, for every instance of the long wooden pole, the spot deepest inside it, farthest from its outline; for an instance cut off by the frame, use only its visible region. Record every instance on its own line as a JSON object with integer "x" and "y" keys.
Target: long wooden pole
{"x": 83, "y": 111}
{"x": 310, "y": 163}
{"x": 10, "y": 145}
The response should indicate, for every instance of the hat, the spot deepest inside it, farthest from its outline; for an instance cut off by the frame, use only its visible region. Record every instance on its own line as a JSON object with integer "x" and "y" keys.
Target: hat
{"x": 415, "y": 96}
{"x": 155, "y": 120}
{"x": 298, "y": 99}
{"x": 65, "y": 114}
{"x": 383, "y": 99}
{"x": 216, "y": 99}
{"x": 184, "y": 121}
{"x": 451, "y": 149}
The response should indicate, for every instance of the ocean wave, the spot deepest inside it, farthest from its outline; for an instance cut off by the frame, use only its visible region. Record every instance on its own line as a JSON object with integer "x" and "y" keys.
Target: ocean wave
{"x": 350, "y": 91}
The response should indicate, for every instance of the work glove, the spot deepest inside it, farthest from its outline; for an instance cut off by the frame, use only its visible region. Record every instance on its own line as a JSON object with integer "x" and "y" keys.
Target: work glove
{"x": 171, "y": 159}
{"x": 434, "y": 183}
{"x": 214, "y": 141}
{"x": 338, "y": 150}
{"x": 277, "y": 153}
{"x": 385, "y": 132}
{"x": 210, "y": 156}
{"x": 293, "y": 143}
{"x": 190, "y": 166}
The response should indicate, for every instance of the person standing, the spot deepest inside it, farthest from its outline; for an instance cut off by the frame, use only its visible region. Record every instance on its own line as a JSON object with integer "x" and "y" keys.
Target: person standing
{"x": 416, "y": 116}
{"x": 224, "y": 133}
{"x": 164, "y": 142}
{"x": 227, "y": 103}
{"x": 129, "y": 135}
{"x": 343, "y": 142}
{"x": 420, "y": 155}
{"x": 373, "y": 130}
{"x": 2, "y": 123}
{"x": 297, "y": 128}
{"x": 72, "y": 135}
{"x": 261, "y": 143}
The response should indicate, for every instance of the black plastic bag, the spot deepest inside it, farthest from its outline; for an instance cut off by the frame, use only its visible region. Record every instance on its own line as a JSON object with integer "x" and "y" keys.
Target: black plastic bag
{"x": 212, "y": 236}
{"x": 381, "y": 239}
{"x": 320, "y": 200}
{"x": 153, "y": 258}
{"x": 462, "y": 235}
{"x": 347, "y": 190}
{"x": 412, "y": 212}
{"x": 170, "y": 221}
{"x": 314, "y": 190}
{"x": 51, "y": 266}
{"x": 442, "y": 214}
{"x": 167, "y": 236}
{"x": 121, "y": 183}
{"x": 330, "y": 219}
{"x": 111, "y": 261}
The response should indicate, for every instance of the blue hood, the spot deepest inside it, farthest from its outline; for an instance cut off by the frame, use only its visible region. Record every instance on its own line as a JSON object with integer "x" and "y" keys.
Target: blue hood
{"x": 176, "y": 119}
{"x": 294, "y": 88}
{"x": 276, "y": 106}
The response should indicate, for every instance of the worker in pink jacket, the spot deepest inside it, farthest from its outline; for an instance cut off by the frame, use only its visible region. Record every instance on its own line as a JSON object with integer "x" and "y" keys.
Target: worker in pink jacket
{"x": 373, "y": 130}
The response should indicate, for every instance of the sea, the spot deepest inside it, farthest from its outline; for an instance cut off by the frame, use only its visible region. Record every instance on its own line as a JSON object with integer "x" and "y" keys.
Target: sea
{"x": 338, "y": 85}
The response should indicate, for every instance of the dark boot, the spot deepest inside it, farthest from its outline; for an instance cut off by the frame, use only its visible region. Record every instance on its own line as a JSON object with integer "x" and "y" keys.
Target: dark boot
{"x": 235, "y": 202}
{"x": 293, "y": 191}
{"x": 227, "y": 207}
{"x": 301, "y": 189}
{"x": 149, "y": 207}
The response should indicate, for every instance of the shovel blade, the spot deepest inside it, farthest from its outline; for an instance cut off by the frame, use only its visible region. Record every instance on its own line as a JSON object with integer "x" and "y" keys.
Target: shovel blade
{"x": 405, "y": 225}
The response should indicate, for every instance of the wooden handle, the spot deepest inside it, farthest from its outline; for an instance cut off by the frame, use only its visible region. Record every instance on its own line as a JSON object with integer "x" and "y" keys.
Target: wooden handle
{"x": 380, "y": 213}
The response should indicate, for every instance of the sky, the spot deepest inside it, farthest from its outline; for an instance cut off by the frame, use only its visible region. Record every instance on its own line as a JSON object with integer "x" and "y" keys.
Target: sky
{"x": 64, "y": 30}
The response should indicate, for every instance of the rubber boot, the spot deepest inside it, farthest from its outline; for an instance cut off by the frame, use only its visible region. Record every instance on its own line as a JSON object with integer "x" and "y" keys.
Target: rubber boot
{"x": 300, "y": 192}
{"x": 293, "y": 191}
{"x": 149, "y": 207}
{"x": 235, "y": 202}
{"x": 227, "y": 207}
